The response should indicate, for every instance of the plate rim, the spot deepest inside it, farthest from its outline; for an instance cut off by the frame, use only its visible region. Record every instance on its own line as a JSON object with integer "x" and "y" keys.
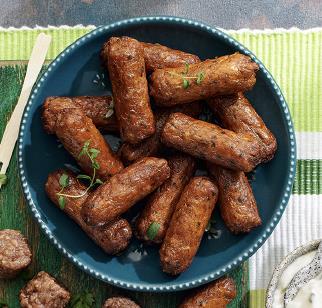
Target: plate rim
{"x": 246, "y": 253}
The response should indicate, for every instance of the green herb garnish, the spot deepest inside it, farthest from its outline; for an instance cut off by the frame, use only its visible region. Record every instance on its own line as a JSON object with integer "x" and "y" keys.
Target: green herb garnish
{"x": 3, "y": 179}
{"x": 83, "y": 300}
{"x": 153, "y": 230}
{"x": 92, "y": 154}
{"x": 200, "y": 77}
{"x": 185, "y": 79}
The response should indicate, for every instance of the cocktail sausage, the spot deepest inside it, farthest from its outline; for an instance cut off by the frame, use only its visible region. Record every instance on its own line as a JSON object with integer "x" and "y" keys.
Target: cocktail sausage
{"x": 124, "y": 189}
{"x": 217, "y": 294}
{"x": 211, "y": 142}
{"x": 124, "y": 58}
{"x": 112, "y": 238}
{"x": 157, "y": 56}
{"x": 162, "y": 202}
{"x": 188, "y": 224}
{"x": 220, "y": 76}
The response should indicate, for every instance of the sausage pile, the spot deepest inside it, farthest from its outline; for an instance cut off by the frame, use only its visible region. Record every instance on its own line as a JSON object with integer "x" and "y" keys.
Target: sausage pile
{"x": 158, "y": 94}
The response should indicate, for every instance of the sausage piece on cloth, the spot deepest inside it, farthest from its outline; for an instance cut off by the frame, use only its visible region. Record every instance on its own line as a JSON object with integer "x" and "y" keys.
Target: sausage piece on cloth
{"x": 112, "y": 238}
{"x": 161, "y": 204}
{"x": 188, "y": 224}
{"x": 152, "y": 145}
{"x": 158, "y": 56}
{"x": 211, "y": 142}
{"x": 221, "y": 76}
{"x": 15, "y": 254}
{"x": 119, "y": 302}
{"x": 43, "y": 291}
{"x": 124, "y": 57}
{"x": 217, "y": 294}
{"x": 124, "y": 189}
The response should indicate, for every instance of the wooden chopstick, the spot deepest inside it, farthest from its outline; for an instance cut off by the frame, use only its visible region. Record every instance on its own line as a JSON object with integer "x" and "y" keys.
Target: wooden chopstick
{"x": 11, "y": 132}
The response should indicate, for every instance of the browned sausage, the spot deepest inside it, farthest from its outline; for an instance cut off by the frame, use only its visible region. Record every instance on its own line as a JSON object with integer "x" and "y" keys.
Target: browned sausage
{"x": 113, "y": 238}
{"x": 124, "y": 57}
{"x": 162, "y": 202}
{"x": 151, "y": 146}
{"x": 43, "y": 291}
{"x": 237, "y": 203}
{"x": 74, "y": 129}
{"x": 15, "y": 254}
{"x": 187, "y": 225}
{"x": 158, "y": 56}
{"x": 211, "y": 142}
{"x": 98, "y": 108}
{"x": 217, "y": 294}
{"x": 119, "y": 302}
{"x": 124, "y": 189}
{"x": 237, "y": 114}
{"x": 220, "y": 76}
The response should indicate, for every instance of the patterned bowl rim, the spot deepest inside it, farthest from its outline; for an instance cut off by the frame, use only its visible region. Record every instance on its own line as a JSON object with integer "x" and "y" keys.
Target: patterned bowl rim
{"x": 279, "y": 269}
{"x": 245, "y": 254}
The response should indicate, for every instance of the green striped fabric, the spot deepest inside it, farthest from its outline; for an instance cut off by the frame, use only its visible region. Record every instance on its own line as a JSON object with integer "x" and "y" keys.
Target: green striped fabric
{"x": 293, "y": 57}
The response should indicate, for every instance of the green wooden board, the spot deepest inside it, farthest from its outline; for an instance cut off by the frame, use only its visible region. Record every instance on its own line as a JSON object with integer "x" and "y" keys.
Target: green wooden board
{"x": 14, "y": 214}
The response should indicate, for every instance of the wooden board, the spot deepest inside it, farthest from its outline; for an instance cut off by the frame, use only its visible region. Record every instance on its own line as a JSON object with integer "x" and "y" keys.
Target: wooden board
{"x": 14, "y": 214}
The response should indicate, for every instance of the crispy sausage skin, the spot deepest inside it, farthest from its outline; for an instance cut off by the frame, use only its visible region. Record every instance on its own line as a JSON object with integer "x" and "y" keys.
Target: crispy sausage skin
{"x": 237, "y": 114}
{"x": 15, "y": 254}
{"x": 98, "y": 108}
{"x": 157, "y": 56}
{"x": 211, "y": 142}
{"x": 124, "y": 58}
{"x": 187, "y": 225}
{"x": 162, "y": 202}
{"x": 217, "y": 294}
{"x": 73, "y": 128}
{"x": 124, "y": 189}
{"x": 119, "y": 302}
{"x": 151, "y": 146}
{"x": 95, "y": 107}
{"x": 112, "y": 238}
{"x": 221, "y": 76}
{"x": 237, "y": 203}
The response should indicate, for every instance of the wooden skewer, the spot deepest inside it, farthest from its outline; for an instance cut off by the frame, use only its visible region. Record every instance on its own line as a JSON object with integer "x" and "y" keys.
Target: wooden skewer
{"x": 11, "y": 132}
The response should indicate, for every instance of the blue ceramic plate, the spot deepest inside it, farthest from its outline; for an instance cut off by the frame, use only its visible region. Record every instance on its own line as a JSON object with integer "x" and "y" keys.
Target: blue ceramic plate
{"x": 77, "y": 71}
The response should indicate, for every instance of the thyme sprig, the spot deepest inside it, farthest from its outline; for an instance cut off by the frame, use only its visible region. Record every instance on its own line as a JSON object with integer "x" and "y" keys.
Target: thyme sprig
{"x": 92, "y": 154}
{"x": 185, "y": 79}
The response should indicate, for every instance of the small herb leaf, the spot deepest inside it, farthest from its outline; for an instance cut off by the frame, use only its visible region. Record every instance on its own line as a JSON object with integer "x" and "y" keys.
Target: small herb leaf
{"x": 61, "y": 201}
{"x": 84, "y": 300}
{"x": 186, "y": 68}
{"x": 94, "y": 152}
{"x": 96, "y": 165}
{"x": 200, "y": 77}
{"x": 98, "y": 181}
{"x": 185, "y": 83}
{"x": 84, "y": 177}
{"x": 64, "y": 180}
{"x": 153, "y": 230}
{"x": 3, "y": 179}
{"x": 109, "y": 113}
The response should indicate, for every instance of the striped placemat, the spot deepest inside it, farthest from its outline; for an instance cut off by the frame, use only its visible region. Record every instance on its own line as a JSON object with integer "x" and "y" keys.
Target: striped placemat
{"x": 294, "y": 58}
